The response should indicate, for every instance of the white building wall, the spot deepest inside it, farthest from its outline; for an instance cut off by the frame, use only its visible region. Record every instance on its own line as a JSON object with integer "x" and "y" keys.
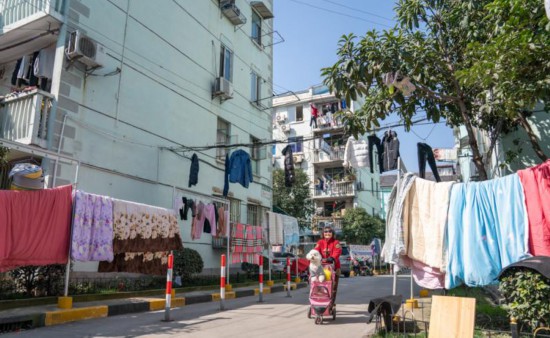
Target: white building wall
{"x": 123, "y": 125}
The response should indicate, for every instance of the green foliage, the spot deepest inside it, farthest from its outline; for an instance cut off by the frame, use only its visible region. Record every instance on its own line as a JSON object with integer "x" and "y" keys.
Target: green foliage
{"x": 39, "y": 280}
{"x": 451, "y": 52}
{"x": 527, "y": 293}
{"x": 296, "y": 200}
{"x": 360, "y": 228}
{"x": 186, "y": 263}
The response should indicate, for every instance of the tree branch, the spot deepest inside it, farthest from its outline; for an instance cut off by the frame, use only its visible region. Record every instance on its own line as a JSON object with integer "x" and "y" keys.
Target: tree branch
{"x": 437, "y": 96}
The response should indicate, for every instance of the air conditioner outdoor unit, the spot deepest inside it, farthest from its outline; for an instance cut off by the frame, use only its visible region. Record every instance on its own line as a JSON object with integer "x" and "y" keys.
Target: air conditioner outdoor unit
{"x": 83, "y": 49}
{"x": 281, "y": 118}
{"x": 285, "y": 128}
{"x": 223, "y": 88}
{"x": 298, "y": 158}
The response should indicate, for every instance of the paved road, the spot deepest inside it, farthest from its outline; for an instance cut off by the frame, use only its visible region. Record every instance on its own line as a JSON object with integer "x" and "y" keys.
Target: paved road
{"x": 278, "y": 316}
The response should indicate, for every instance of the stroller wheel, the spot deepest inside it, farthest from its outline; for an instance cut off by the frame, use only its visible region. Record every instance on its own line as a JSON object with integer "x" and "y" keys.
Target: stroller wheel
{"x": 309, "y": 312}
{"x": 318, "y": 320}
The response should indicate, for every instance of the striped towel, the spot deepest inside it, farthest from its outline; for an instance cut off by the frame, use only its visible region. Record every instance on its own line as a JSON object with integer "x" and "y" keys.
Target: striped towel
{"x": 246, "y": 243}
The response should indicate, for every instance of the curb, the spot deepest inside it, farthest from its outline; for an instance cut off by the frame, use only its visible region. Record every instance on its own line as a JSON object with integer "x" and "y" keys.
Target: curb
{"x": 49, "y": 318}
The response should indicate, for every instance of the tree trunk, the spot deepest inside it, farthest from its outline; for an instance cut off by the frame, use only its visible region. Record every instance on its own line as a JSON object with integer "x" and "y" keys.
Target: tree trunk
{"x": 477, "y": 157}
{"x": 532, "y": 137}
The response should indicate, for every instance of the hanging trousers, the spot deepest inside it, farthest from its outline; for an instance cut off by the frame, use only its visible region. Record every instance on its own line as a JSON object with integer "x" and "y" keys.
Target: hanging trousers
{"x": 375, "y": 141}
{"x": 425, "y": 152}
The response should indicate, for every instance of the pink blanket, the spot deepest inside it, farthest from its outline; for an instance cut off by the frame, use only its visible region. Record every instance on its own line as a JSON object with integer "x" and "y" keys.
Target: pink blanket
{"x": 34, "y": 227}
{"x": 536, "y": 188}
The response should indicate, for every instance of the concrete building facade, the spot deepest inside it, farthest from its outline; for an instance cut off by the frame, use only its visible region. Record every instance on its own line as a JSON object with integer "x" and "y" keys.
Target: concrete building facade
{"x": 135, "y": 89}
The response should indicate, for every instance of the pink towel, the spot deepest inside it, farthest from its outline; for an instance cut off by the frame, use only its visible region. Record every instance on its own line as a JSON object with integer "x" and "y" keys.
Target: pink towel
{"x": 536, "y": 188}
{"x": 34, "y": 227}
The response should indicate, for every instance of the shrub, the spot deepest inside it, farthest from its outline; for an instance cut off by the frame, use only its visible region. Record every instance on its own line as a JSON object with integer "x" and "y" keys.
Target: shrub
{"x": 526, "y": 293}
{"x": 39, "y": 280}
{"x": 186, "y": 263}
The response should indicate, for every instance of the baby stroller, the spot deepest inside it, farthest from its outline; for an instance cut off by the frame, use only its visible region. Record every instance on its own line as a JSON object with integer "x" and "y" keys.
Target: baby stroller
{"x": 321, "y": 297}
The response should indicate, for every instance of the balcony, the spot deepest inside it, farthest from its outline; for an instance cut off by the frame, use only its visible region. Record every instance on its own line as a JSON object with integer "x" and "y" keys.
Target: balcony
{"x": 333, "y": 126}
{"x": 334, "y": 158}
{"x": 320, "y": 222}
{"x": 24, "y": 117}
{"x": 336, "y": 190}
{"x": 28, "y": 26}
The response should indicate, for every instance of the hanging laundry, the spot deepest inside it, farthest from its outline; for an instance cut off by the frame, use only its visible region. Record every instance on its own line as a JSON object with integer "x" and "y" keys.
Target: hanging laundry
{"x": 35, "y": 227}
{"x": 486, "y": 230}
{"x": 275, "y": 228}
{"x": 314, "y": 115}
{"x": 391, "y": 150}
{"x": 238, "y": 169}
{"x": 291, "y": 232}
{"x": 246, "y": 243}
{"x": 394, "y": 246}
{"x": 424, "y": 220}
{"x": 425, "y": 276}
{"x": 425, "y": 152}
{"x": 209, "y": 215}
{"x": 374, "y": 141}
{"x": 536, "y": 186}
{"x": 194, "y": 171}
{"x": 44, "y": 62}
{"x": 92, "y": 234}
{"x": 222, "y": 223}
{"x": 356, "y": 153}
{"x": 197, "y": 224}
{"x": 150, "y": 263}
{"x": 289, "y": 166}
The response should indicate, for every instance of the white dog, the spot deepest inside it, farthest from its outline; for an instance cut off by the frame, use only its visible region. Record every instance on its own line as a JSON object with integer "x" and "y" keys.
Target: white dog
{"x": 316, "y": 271}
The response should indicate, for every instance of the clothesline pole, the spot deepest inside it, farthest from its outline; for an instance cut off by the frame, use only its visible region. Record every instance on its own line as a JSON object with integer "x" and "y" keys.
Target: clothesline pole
{"x": 227, "y": 232}
{"x": 68, "y": 267}
{"x": 269, "y": 253}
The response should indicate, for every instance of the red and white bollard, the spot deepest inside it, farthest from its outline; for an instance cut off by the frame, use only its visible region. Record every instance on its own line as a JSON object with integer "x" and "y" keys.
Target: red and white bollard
{"x": 168, "y": 287}
{"x": 222, "y": 284}
{"x": 261, "y": 277}
{"x": 288, "y": 276}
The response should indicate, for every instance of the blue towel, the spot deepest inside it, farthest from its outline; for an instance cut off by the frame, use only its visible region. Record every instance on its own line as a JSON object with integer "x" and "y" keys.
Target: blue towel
{"x": 486, "y": 230}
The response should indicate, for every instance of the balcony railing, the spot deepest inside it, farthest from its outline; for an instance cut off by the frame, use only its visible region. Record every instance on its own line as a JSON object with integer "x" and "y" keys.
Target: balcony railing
{"x": 320, "y": 222}
{"x": 336, "y": 154}
{"x": 336, "y": 189}
{"x": 24, "y": 117}
{"x": 15, "y": 11}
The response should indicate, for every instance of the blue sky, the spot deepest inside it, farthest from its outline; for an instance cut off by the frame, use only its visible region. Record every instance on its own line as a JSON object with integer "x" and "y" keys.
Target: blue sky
{"x": 311, "y": 30}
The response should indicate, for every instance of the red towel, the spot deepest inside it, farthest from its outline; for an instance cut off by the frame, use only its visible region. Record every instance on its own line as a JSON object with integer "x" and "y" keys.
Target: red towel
{"x": 536, "y": 187}
{"x": 34, "y": 227}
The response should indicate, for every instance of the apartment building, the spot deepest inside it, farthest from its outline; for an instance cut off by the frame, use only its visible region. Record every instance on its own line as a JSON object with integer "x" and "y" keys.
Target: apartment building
{"x": 115, "y": 97}
{"x": 318, "y": 148}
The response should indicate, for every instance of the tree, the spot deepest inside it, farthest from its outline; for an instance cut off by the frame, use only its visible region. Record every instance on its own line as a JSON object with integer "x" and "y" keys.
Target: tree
{"x": 296, "y": 200}
{"x": 512, "y": 62}
{"x": 360, "y": 228}
{"x": 419, "y": 66}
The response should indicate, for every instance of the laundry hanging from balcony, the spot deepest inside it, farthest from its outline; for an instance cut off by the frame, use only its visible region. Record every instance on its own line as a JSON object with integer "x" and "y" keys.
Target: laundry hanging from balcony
{"x": 35, "y": 227}
{"x": 290, "y": 176}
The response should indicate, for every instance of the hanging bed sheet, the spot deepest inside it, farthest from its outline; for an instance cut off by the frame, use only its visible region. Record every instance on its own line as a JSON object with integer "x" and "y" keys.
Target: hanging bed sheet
{"x": 536, "y": 186}
{"x": 246, "y": 243}
{"x": 486, "y": 231}
{"x": 34, "y": 227}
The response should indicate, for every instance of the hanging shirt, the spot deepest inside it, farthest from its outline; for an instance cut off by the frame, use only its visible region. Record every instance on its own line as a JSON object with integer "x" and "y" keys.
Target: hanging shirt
{"x": 356, "y": 154}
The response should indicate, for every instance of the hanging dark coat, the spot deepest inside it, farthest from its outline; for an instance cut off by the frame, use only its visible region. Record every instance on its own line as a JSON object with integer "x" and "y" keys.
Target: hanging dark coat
{"x": 391, "y": 150}
{"x": 289, "y": 166}
{"x": 194, "y": 172}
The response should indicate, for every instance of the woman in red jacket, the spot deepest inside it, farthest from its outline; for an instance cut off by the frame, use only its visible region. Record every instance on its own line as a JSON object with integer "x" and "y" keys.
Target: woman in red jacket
{"x": 330, "y": 250}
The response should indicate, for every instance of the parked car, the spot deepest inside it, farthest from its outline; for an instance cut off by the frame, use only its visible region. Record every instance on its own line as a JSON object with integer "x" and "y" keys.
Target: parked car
{"x": 345, "y": 260}
{"x": 278, "y": 261}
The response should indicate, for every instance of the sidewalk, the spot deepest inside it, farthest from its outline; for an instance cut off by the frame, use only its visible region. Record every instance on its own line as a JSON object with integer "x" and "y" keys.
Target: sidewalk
{"x": 47, "y": 315}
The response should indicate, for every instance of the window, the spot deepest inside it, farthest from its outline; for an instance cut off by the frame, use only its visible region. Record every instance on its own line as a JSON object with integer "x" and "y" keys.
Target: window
{"x": 258, "y": 152}
{"x": 255, "y": 88}
{"x": 234, "y": 210}
{"x": 222, "y": 138}
{"x": 253, "y": 214}
{"x": 299, "y": 113}
{"x": 256, "y": 28}
{"x": 296, "y": 144}
{"x": 226, "y": 63}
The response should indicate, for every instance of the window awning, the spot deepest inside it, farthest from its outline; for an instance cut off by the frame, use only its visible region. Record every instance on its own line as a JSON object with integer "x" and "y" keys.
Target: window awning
{"x": 262, "y": 9}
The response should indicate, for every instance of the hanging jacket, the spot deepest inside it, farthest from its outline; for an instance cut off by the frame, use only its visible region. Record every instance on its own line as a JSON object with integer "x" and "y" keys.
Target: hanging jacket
{"x": 194, "y": 172}
{"x": 237, "y": 170}
{"x": 356, "y": 154}
{"x": 375, "y": 141}
{"x": 289, "y": 166}
{"x": 391, "y": 150}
